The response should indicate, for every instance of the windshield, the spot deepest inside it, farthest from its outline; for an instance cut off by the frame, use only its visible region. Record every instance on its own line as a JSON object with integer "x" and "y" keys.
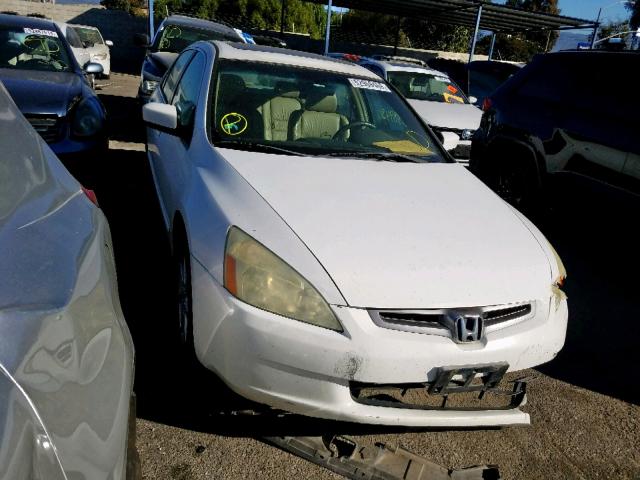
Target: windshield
{"x": 89, "y": 36}
{"x": 292, "y": 110}
{"x": 174, "y": 38}
{"x": 32, "y": 49}
{"x": 425, "y": 86}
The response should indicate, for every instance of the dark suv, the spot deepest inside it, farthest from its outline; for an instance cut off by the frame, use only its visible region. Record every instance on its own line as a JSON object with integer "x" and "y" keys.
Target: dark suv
{"x": 565, "y": 116}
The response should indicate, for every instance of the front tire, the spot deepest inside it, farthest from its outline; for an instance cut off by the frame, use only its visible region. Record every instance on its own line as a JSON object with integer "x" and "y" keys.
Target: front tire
{"x": 513, "y": 175}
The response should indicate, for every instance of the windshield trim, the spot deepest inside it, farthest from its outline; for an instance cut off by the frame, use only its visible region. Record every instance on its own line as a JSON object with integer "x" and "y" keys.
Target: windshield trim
{"x": 213, "y": 88}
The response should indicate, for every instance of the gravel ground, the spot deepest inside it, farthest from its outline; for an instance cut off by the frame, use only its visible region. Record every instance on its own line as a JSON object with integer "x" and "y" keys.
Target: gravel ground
{"x": 585, "y": 414}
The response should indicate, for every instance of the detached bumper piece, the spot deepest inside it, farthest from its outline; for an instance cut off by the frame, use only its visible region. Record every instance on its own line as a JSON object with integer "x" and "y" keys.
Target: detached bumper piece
{"x": 344, "y": 456}
{"x": 455, "y": 388}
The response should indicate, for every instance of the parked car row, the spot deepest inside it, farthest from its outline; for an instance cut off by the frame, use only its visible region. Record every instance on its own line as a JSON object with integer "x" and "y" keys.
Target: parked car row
{"x": 325, "y": 243}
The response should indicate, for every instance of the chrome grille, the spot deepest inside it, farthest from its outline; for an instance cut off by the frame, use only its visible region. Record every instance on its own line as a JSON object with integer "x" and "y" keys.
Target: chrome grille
{"x": 501, "y": 315}
{"x": 435, "y": 322}
{"x": 48, "y": 126}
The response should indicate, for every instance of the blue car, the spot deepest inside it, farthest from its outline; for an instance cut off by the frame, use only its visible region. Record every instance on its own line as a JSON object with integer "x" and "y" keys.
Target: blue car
{"x": 174, "y": 34}
{"x": 51, "y": 90}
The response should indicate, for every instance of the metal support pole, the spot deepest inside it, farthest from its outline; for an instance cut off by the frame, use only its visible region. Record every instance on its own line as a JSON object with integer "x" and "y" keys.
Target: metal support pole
{"x": 327, "y": 34}
{"x": 151, "y": 25}
{"x": 475, "y": 34}
{"x": 395, "y": 45}
{"x": 493, "y": 44}
{"x": 595, "y": 29}
{"x": 282, "y": 17}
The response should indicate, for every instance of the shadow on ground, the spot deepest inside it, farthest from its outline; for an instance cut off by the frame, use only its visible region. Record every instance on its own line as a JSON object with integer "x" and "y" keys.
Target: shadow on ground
{"x": 593, "y": 230}
{"x": 124, "y": 120}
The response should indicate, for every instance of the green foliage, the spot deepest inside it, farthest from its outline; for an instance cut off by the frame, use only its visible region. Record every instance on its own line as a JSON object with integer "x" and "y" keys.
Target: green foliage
{"x": 415, "y": 33}
{"x": 128, "y": 6}
{"x": 300, "y": 16}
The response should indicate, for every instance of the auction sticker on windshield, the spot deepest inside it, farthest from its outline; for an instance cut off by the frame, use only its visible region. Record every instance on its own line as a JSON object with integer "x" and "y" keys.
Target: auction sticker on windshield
{"x": 369, "y": 85}
{"x": 38, "y": 31}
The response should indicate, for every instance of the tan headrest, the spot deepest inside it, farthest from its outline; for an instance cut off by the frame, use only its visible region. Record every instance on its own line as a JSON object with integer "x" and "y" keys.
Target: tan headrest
{"x": 287, "y": 90}
{"x": 292, "y": 94}
{"x": 328, "y": 104}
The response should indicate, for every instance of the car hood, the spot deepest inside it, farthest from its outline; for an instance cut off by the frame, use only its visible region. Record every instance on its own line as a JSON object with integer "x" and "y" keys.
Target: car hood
{"x": 448, "y": 115}
{"x": 402, "y": 235}
{"x": 42, "y": 92}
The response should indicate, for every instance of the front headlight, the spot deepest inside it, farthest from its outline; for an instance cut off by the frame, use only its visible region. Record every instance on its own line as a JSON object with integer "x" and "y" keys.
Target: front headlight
{"x": 255, "y": 275}
{"x": 149, "y": 86}
{"x": 467, "y": 134}
{"x": 87, "y": 119}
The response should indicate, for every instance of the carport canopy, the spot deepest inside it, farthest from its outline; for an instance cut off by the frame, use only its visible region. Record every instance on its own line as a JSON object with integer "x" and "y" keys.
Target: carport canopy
{"x": 478, "y": 14}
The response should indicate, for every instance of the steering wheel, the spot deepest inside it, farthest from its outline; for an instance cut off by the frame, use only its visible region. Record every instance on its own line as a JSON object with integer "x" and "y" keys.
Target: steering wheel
{"x": 349, "y": 126}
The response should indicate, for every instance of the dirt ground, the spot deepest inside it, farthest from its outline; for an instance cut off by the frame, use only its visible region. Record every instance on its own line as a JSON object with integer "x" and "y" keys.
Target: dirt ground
{"x": 583, "y": 405}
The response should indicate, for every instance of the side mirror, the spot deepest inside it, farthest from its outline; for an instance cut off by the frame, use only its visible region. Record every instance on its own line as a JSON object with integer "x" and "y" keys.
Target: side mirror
{"x": 161, "y": 115}
{"x": 93, "y": 68}
{"x": 449, "y": 140}
{"x": 141, "y": 40}
{"x": 473, "y": 100}
{"x": 108, "y": 43}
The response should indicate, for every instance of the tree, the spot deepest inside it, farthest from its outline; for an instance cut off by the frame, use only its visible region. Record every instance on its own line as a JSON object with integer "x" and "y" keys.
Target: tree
{"x": 129, "y": 6}
{"x": 523, "y": 46}
{"x": 377, "y": 28}
{"x": 302, "y": 16}
{"x": 634, "y": 8}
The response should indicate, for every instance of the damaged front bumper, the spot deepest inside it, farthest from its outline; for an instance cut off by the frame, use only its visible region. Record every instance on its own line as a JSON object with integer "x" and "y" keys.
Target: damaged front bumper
{"x": 303, "y": 369}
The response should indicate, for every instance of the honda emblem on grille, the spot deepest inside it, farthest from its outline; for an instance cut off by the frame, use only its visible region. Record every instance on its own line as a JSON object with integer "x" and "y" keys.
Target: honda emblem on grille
{"x": 465, "y": 327}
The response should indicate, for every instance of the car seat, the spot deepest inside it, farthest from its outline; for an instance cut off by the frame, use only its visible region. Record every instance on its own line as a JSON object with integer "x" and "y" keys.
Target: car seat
{"x": 276, "y": 112}
{"x": 319, "y": 119}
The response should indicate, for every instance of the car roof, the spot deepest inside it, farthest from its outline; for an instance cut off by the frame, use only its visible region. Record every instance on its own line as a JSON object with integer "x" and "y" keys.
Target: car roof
{"x": 28, "y": 22}
{"x": 282, "y": 56}
{"x": 183, "y": 20}
{"x": 394, "y": 66}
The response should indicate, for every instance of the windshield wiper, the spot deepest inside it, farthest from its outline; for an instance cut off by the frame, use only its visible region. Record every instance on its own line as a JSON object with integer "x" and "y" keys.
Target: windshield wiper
{"x": 256, "y": 146}
{"x": 377, "y": 156}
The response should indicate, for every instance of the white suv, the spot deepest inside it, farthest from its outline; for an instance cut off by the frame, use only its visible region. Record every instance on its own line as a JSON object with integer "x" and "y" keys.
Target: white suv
{"x": 436, "y": 98}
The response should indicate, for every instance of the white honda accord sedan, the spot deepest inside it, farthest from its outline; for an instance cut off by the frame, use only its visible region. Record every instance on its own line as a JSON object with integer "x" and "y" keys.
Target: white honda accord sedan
{"x": 333, "y": 260}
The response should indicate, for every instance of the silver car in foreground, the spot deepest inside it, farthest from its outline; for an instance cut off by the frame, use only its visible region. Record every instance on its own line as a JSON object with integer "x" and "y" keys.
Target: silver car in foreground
{"x": 66, "y": 355}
